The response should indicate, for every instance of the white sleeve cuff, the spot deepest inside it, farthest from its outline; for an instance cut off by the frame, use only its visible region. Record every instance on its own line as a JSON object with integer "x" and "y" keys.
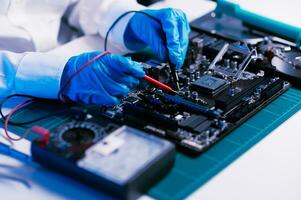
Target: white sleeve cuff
{"x": 97, "y": 16}
{"x": 117, "y": 34}
{"x": 39, "y": 75}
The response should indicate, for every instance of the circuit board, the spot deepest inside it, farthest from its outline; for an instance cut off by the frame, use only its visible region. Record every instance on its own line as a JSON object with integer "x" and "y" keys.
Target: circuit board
{"x": 224, "y": 81}
{"x": 221, "y": 84}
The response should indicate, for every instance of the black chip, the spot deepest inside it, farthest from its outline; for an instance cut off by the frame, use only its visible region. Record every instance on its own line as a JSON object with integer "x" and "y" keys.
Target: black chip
{"x": 209, "y": 85}
{"x": 193, "y": 121}
{"x": 209, "y": 82}
{"x": 131, "y": 99}
{"x": 203, "y": 126}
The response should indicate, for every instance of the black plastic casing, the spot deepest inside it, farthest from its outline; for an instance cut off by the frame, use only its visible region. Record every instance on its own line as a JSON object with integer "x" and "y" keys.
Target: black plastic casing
{"x": 132, "y": 189}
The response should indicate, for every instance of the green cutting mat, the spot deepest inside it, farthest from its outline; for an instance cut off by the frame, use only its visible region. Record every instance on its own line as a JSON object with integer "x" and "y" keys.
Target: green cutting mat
{"x": 188, "y": 174}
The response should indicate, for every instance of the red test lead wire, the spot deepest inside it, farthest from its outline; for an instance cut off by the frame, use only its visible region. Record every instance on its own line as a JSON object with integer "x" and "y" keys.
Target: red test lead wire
{"x": 159, "y": 84}
{"x": 8, "y": 118}
{"x": 44, "y": 133}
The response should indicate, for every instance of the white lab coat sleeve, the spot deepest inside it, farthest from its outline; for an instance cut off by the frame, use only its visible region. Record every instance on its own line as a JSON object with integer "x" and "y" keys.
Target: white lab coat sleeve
{"x": 32, "y": 73}
{"x": 97, "y": 16}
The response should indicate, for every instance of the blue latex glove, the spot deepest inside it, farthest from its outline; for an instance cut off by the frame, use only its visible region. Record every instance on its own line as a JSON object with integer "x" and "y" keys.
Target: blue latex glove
{"x": 170, "y": 43}
{"x": 103, "y": 81}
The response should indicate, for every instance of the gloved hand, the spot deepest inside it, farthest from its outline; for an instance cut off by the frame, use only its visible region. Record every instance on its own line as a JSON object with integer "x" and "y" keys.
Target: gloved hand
{"x": 170, "y": 43}
{"x": 103, "y": 81}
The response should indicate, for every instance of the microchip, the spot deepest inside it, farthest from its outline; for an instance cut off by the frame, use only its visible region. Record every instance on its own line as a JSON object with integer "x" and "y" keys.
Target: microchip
{"x": 209, "y": 82}
{"x": 131, "y": 100}
{"x": 193, "y": 121}
{"x": 209, "y": 85}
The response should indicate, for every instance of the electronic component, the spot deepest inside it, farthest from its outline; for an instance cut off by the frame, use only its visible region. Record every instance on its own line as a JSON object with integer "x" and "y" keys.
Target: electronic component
{"x": 289, "y": 67}
{"x": 242, "y": 67}
{"x": 219, "y": 56}
{"x": 230, "y": 28}
{"x": 131, "y": 99}
{"x": 119, "y": 160}
{"x": 193, "y": 122}
{"x": 159, "y": 84}
{"x": 208, "y": 84}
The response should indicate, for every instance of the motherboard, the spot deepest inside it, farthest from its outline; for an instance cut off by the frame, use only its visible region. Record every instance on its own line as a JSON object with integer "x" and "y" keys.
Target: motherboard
{"x": 221, "y": 84}
{"x": 229, "y": 74}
